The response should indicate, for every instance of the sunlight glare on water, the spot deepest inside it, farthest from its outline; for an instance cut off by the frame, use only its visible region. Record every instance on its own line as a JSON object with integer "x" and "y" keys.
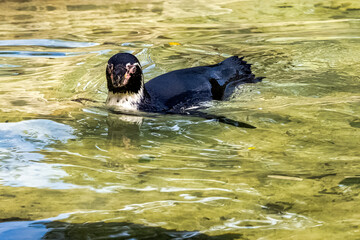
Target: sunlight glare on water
{"x": 72, "y": 169}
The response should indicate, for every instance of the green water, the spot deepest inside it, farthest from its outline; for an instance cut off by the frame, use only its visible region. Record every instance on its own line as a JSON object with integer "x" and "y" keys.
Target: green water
{"x": 71, "y": 170}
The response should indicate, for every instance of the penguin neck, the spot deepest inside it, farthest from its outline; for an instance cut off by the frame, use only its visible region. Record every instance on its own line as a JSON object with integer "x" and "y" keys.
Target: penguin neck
{"x": 128, "y": 101}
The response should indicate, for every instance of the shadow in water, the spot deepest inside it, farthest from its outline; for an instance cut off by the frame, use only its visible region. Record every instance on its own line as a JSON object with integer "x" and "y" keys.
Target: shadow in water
{"x": 98, "y": 230}
{"x": 101, "y": 230}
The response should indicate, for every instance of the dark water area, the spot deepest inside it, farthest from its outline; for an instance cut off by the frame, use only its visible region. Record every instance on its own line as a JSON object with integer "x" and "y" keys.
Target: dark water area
{"x": 73, "y": 170}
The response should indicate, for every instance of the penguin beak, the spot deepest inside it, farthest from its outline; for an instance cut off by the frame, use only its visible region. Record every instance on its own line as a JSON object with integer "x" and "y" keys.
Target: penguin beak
{"x": 120, "y": 75}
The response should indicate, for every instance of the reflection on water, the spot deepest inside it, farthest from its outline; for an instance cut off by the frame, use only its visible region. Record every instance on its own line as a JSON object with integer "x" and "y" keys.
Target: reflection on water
{"x": 109, "y": 175}
{"x": 20, "y": 147}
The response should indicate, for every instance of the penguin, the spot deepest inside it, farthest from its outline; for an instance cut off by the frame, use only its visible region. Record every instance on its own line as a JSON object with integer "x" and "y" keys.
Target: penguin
{"x": 177, "y": 92}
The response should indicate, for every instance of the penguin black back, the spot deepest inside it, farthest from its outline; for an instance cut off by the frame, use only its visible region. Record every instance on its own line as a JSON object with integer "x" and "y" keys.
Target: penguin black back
{"x": 190, "y": 86}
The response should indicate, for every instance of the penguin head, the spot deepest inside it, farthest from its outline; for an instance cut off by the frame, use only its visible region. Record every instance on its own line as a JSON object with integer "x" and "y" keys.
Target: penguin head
{"x": 124, "y": 74}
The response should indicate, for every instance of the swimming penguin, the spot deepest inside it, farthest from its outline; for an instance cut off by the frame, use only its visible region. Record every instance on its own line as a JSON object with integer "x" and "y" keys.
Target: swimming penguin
{"x": 176, "y": 92}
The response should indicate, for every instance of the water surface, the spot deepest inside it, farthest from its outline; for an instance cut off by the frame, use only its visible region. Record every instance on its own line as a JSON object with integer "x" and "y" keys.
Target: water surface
{"x": 73, "y": 170}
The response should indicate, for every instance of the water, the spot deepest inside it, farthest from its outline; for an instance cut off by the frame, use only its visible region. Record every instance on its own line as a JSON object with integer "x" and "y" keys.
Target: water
{"x": 71, "y": 170}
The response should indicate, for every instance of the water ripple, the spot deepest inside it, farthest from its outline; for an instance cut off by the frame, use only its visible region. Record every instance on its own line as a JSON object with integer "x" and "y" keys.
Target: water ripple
{"x": 49, "y": 43}
{"x": 9, "y": 66}
{"x": 24, "y": 54}
{"x": 285, "y": 221}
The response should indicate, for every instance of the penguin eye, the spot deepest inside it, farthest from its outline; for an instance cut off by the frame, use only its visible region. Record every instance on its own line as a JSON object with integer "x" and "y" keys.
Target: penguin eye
{"x": 132, "y": 68}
